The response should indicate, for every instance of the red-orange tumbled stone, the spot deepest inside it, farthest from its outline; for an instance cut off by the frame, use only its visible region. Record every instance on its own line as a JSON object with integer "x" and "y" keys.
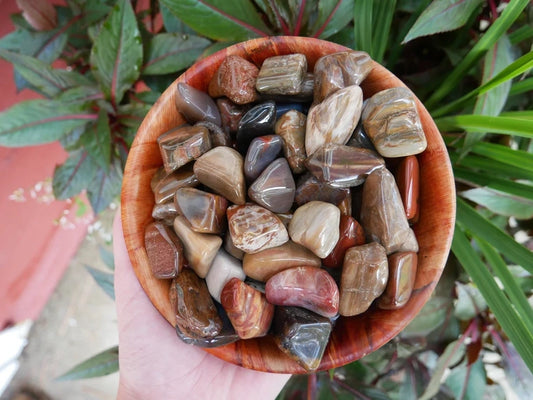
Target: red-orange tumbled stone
{"x": 408, "y": 180}
{"x": 402, "y": 274}
{"x": 351, "y": 234}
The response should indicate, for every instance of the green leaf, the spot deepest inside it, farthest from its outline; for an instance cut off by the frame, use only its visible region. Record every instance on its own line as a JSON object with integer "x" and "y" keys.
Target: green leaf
{"x": 384, "y": 12}
{"x": 486, "y": 230}
{"x": 102, "y": 364}
{"x": 522, "y": 86}
{"x": 468, "y": 382}
{"x": 511, "y": 12}
{"x": 525, "y": 32}
{"x": 219, "y": 19}
{"x": 517, "y": 158}
{"x": 104, "y": 279}
{"x": 44, "y": 45}
{"x": 430, "y": 318}
{"x": 485, "y": 123}
{"x": 332, "y": 17}
{"x": 470, "y": 302}
{"x": 107, "y": 257}
{"x": 172, "y": 23}
{"x": 73, "y": 175}
{"x": 491, "y": 167}
{"x": 363, "y": 15}
{"x": 80, "y": 94}
{"x": 132, "y": 114}
{"x": 171, "y": 52}
{"x": 442, "y": 16}
{"x": 501, "y": 203}
{"x": 41, "y": 76}
{"x": 117, "y": 54}
{"x": 453, "y": 353}
{"x": 40, "y": 121}
{"x": 213, "y": 48}
{"x": 105, "y": 187}
{"x": 97, "y": 141}
{"x": 493, "y": 182}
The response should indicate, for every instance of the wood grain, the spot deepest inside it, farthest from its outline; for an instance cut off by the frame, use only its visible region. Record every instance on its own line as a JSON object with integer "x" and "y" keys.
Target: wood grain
{"x": 353, "y": 337}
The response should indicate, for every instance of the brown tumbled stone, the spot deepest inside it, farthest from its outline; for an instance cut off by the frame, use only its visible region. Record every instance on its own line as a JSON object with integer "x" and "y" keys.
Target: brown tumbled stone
{"x": 165, "y": 212}
{"x": 247, "y": 308}
{"x": 282, "y": 75}
{"x": 205, "y": 212}
{"x": 364, "y": 277}
{"x": 230, "y": 114}
{"x": 291, "y": 127}
{"x": 235, "y": 79}
{"x": 164, "y": 185}
{"x": 183, "y": 144}
{"x": 408, "y": 179}
{"x": 164, "y": 250}
{"x": 402, "y": 275}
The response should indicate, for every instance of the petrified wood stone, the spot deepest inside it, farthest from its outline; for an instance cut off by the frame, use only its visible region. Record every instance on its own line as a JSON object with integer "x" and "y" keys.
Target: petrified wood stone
{"x": 261, "y": 152}
{"x": 183, "y": 144}
{"x": 309, "y": 188}
{"x": 165, "y": 212}
{"x": 205, "y": 212}
{"x": 223, "y": 268}
{"x": 402, "y": 275}
{"x": 283, "y": 75}
{"x": 164, "y": 250}
{"x": 235, "y": 79}
{"x": 291, "y": 127}
{"x": 258, "y": 121}
{"x": 230, "y": 114}
{"x": 196, "y": 105}
{"x": 351, "y": 234}
{"x": 408, "y": 179}
{"x": 164, "y": 185}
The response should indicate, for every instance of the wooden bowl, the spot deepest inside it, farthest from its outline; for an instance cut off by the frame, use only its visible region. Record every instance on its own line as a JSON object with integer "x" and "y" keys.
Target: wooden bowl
{"x": 352, "y": 337}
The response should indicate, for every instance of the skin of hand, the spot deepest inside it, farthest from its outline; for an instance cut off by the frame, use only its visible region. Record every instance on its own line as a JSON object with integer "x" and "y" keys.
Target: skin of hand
{"x": 156, "y": 364}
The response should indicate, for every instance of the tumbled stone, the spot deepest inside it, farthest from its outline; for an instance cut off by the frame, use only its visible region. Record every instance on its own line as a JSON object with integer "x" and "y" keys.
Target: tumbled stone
{"x": 274, "y": 188}
{"x": 291, "y": 127}
{"x": 359, "y": 138}
{"x": 283, "y": 74}
{"x": 196, "y": 105}
{"x": 382, "y": 214}
{"x": 343, "y": 166}
{"x": 183, "y": 144}
{"x": 231, "y": 249}
{"x": 223, "y": 268}
{"x": 164, "y": 250}
{"x": 408, "y": 180}
{"x": 334, "y": 119}
{"x": 351, "y": 234}
{"x": 308, "y": 87}
{"x": 302, "y": 335}
{"x": 248, "y": 310}
{"x": 196, "y": 314}
{"x": 219, "y": 137}
{"x": 345, "y": 206}
{"x": 282, "y": 108}
{"x": 205, "y": 212}
{"x": 254, "y": 228}
{"x": 235, "y": 79}
{"x": 258, "y": 121}
{"x": 364, "y": 277}
{"x": 200, "y": 248}
{"x": 285, "y": 218}
{"x": 261, "y": 152}
{"x": 165, "y": 212}
{"x": 308, "y": 287}
{"x": 338, "y": 70}
{"x": 402, "y": 275}
{"x": 221, "y": 169}
{"x": 164, "y": 185}
{"x": 391, "y": 120}
{"x": 230, "y": 114}
{"x": 410, "y": 244}
{"x": 262, "y": 265}
{"x": 308, "y": 227}
{"x": 309, "y": 188}
{"x": 226, "y": 335}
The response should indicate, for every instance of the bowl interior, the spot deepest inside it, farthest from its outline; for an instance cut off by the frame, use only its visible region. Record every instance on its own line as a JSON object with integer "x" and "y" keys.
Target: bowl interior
{"x": 352, "y": 337}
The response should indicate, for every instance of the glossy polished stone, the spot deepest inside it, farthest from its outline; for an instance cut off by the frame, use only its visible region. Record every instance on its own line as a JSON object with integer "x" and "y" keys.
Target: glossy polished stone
{"x": 235, "y": 79}
{"x": 248, "y": 310}
{"x": 226, "y": 335}
{"x": 196, "y": 105}
{"x": 343, "y": 166}
{"x": 196, "y": 314}
{"x": 221, "y": 169}
{"x": 262, "y": 265}
{"x": 339, "y": 70}
{"x": 165, "y": 212}
{"x": 200, "y": 248}
{"x": 164, "y": 250}
{"x": 285, "y": 218}
{"x": 274, "y": 188}
{"x": 308, "y": 287}
{"x": 282, "y": 75}
{"x": 351, "y": 234}
{"x": 219, "y": 137}
{"x": 258, "y": 121}
{"x": 261, "y": 152}
{"x": 291, "y": 127}
{"x": 230, "y": 114}
{"x": 402, "y": 275}
{"x": 205, "y": 212}
{"x": 334, "y": 119}
{"x": 223, "y": 268}
{"x": 391, "y": 120}
{"x": 345, "y": 206}
{"x": 231, "y": 249}
{"x": 382, "y": 213}
{"x": 165, "y": 185}
{"x": 254, "y": 228}
{"x": 309, "y": 188}
{"x": 181, "y": 145}
{"x": 315, "y": 225}
{"x": 302, "y": 335}
{"x": 360, "y": 139}
{"x": 364, "y": 277}
{"x": 282, "y": 108}
{"x": 408, "y": 180}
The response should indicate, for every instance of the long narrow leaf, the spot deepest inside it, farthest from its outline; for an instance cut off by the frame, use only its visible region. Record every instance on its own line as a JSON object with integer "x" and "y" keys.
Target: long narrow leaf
{"x": 525, "y": 114}
{"x": 491, "y": 167}
{"x": 522, "y": 86}
{"x": 337, "y": 16}
{"x": 523, "y": 33}
{"x": 102, "y": 364}
{"x": 491, "y": 36}
{"x": 493, "y": 182}
{"x": 485, "y": 123}
{"x": 512, "y": 289}
{"x": 504, "y": 154}
{"x": 489, "y": 232}
{"x": 505, "y": 313}
{"x": 501, "y": 203}
{"x": 363, "y": 24}
{"x": 384, "y": 13}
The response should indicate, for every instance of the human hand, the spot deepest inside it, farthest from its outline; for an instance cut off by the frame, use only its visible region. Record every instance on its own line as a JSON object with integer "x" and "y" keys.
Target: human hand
{"x": 155, "y": 364}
